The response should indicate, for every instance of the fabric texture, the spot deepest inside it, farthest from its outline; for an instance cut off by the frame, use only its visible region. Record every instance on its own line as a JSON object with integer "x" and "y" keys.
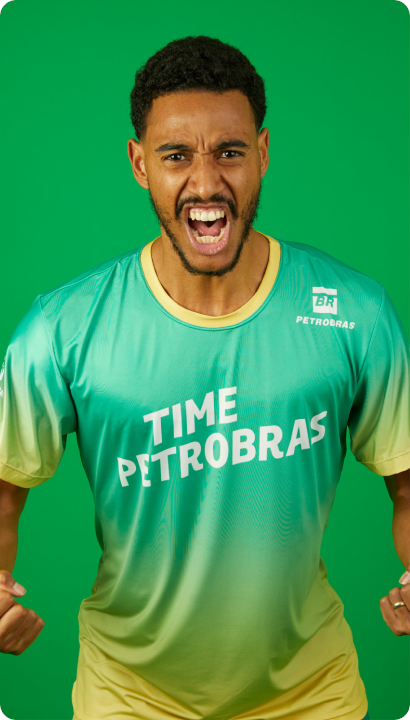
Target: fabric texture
{"x": 106, "y": 690}
{"x": 213, "y": 454}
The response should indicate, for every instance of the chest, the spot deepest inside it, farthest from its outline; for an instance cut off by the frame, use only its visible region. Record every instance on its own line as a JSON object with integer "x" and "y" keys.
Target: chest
{"x": 269, "y": 371}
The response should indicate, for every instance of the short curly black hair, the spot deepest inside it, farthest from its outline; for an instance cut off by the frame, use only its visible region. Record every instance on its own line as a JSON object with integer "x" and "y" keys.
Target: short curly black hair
{"x": 195, "y": 63}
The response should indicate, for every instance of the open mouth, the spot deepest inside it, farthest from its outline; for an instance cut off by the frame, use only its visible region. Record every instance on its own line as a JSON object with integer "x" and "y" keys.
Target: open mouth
{"x": 208, "y": 229}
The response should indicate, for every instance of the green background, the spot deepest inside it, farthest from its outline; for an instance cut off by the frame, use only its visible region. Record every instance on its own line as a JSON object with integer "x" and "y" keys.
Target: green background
{"x": 337, "y": 80}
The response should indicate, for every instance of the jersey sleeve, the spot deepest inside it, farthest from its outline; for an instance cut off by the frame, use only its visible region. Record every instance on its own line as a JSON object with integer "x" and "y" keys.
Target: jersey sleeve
{"x": 379, "y": 421}
{"x": 36, "y": 408}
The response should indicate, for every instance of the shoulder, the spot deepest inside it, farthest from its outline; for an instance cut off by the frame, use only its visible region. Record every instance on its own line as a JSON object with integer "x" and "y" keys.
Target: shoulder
{"x": 321, "y": 271}
{"x": 88, "y": 283}
{"x": 324, "y": 262}
{"x": 72, "y": 310}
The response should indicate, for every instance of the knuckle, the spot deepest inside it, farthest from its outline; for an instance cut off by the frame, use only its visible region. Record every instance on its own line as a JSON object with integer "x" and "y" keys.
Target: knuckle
{"x": 7, "y": 646}
{"x": 17, "y": 618}
{"x": 4, "y": 577}
{"x": 6, "y": 601}
{"x": 401, "y": 628}
{"x": 24, "y": 644}
{"x": 21, "y": 612}
{"x": 395, "y": 628}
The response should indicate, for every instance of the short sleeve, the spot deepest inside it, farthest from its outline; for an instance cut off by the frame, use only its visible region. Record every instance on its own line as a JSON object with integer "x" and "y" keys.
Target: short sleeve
{"x": 36, "y": 409}
{"x": 379, "y": 421}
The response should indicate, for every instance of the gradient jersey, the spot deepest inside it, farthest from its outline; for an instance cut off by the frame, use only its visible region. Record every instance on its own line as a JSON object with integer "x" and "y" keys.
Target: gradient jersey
{"x": 213, "y": 448}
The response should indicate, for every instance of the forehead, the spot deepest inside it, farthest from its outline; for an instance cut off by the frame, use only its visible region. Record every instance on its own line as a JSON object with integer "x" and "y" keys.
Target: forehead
{"x": 201, "y": 114}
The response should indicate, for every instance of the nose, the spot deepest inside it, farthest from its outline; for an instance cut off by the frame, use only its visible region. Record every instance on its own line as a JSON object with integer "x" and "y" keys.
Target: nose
{"x": 205, "y": 176}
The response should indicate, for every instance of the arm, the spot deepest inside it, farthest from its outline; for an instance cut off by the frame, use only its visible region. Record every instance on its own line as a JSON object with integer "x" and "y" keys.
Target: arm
{"x": 398, "y": 487}
{"x": 398, "y": 619}
{"x": 19, "y": 626}
{"x": 12, "y": 500}
{"x": 35, "y": 419}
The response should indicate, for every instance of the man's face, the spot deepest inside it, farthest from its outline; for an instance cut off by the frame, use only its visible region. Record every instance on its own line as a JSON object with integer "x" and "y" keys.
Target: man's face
{"x": 202, "y": 161}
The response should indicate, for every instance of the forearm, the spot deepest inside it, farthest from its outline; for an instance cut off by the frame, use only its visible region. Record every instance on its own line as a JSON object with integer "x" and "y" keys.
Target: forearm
{"x": 12, "y": 500}
{"x": 8, "y": 544}
{"x": 401, "y": 530}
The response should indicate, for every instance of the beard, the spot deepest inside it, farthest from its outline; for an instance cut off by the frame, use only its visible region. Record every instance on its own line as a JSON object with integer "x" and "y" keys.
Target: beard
{"x": 248, "y": 217}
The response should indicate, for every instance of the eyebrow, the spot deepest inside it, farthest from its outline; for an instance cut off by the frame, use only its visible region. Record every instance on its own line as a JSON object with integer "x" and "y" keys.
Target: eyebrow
{"x": 221, "y": 146}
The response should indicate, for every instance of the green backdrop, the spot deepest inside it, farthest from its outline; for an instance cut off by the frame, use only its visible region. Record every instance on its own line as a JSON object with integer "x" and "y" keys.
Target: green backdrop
{"x": 337, "y": 77}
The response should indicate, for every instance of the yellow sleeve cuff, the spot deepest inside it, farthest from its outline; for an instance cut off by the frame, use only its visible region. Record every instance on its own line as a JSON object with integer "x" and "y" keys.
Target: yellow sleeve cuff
{"x": 392, "y": 466}
{"x": 15, "y": 477}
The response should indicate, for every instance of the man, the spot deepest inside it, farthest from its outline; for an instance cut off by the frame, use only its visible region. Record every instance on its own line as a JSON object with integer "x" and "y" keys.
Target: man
{"x": 211, "y": 378}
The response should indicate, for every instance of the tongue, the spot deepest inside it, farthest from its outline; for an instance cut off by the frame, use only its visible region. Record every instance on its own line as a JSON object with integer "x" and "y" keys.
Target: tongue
{"x": 204, "y": 228}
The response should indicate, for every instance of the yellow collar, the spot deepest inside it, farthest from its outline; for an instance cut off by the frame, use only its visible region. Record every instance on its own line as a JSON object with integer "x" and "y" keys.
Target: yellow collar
{"x": 209, "y": 321}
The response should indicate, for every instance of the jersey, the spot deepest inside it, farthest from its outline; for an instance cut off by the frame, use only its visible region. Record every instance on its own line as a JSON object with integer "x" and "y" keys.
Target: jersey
{"x": 213, "y": 447}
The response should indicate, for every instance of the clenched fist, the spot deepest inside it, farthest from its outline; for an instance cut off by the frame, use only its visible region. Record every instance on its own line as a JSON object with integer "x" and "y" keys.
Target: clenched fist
{"x": 19, "y": 626}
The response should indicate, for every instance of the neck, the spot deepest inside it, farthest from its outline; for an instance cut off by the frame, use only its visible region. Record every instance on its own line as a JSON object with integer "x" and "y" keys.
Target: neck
{"x": 211, "y": 295}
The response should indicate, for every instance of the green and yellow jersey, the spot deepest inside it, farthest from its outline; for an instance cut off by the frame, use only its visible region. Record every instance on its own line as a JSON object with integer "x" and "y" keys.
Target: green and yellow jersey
{"x": 213, "y": 447}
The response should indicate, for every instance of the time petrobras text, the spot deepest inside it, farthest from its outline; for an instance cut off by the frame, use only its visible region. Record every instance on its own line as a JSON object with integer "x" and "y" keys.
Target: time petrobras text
{"x": 245, "y": 445}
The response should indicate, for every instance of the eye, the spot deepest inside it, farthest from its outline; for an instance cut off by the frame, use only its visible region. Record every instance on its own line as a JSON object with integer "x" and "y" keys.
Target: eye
{"x": 174, "y": 157}
{"x": 234, "y": 153}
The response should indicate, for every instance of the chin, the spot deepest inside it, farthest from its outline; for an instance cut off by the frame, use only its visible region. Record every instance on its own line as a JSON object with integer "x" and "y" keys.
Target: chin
{"x": 211, "y": 264}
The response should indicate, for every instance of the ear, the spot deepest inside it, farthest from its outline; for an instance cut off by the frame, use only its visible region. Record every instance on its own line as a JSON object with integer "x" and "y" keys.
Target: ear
{"x": 137, "y": 159}
{"x": 263, "y": 143}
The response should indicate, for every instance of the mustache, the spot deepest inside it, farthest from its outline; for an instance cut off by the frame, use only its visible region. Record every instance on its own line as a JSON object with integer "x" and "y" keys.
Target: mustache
{"x": 214, "y": 199}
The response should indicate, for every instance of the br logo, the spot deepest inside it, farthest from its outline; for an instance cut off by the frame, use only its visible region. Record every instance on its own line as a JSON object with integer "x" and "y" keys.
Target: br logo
{"x": 324, "y": 300}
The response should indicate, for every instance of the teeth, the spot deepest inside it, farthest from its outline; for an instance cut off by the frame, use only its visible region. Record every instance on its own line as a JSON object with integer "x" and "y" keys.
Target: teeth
{"x": 206, "y": 216}
{"x": 207, "y": 238}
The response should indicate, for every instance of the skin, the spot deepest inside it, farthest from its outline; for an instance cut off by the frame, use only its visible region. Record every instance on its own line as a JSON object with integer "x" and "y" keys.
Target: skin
{"x": 19, "y": 626}
{"x": 196, "y": 175}
{"x": 201, "y": 121}
{"x": 398, "y": 620}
